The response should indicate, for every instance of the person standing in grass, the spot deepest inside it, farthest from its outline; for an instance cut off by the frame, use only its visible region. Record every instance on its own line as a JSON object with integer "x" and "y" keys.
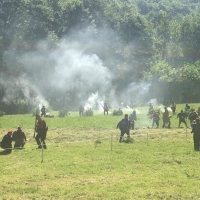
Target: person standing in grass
{"x": 132, "y": 118}
{"x": 105, "y": 108}
{"x": 124, "y": 126}
{"x": 81, "y": 110}
{"x": 166, "y": 119}
{"x": 196, "y": 134}
{"x": 6, "y": 142}
{"x": 155, "y": 118}
{"x": 187, "y": 107}
{"x": 182, "y": 117}
{"x": 19, "y": 138}
{"x": 41, "y": 130}
{"x": 43, "y": 111}
{"x": 173, "y": 107}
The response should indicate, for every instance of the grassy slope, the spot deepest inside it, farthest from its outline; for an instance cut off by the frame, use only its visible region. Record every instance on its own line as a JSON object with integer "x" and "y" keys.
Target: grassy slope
{"x": 75, "y": 166}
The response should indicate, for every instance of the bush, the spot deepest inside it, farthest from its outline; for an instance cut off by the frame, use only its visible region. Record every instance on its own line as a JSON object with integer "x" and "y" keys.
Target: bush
{"x": 61, "y": 113}
{"x": 117, "y": 112}
{"x": 88, "y": 112}
{"x": 2, "y": 113}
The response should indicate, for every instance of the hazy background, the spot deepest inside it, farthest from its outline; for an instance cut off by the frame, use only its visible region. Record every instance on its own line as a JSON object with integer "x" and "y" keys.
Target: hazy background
{"x": 80, "y": 69}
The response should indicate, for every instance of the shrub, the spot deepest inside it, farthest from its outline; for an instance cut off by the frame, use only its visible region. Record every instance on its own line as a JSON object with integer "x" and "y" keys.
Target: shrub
{"x": 88, "y": 112}
{"x": 2, "y": 113}
{"x": 61, "y": 113}
{"x": 117, "y": 112}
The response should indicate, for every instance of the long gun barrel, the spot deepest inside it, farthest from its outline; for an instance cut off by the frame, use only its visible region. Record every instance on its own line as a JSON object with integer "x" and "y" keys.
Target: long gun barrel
{"x": 35, "y": 123}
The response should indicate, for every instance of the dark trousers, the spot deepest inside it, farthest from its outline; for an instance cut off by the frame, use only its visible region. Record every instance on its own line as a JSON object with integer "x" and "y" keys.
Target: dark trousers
{"x": 155, "y": 121}
{"x": 166, "y": 123}
{"x": 43, "y": 114}
{"x": 123, "y": 131}
{"x": 182, "y": 121}
{"x": 40, "y": 139}
{"x": 196, "y": 138}
{"x": 105, "y": 111}
{"x": 132, "y": 125}
{"x": 80, "y": 113}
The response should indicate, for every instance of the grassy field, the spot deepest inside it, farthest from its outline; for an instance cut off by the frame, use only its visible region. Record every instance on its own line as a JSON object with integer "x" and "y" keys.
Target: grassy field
{"x": 84, "y": 160}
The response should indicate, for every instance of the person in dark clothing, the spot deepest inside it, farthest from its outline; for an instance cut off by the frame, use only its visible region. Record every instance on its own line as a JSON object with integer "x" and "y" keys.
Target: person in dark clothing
{"x": 173, "y": 107}
{"x": 105, "y": 108}
{"x": 187, "y": 107}
{"x": 192, "y": 116}
{"x": 150, "y": 109}
{"x": 166, "y": 119}
{"x": 41, "y": 130}
{"x": 156, "y": 119}
{"x": 6, "y": 143}
{"x": 182, "y": 116}
{"x": 43, "y": 111}
{"x": 124, "y": 126}
{"x": 196, "y": 134}
{"x": 81, "y": 110}
{"x": 132, "y": 119}
{"x": 19, "y": 138}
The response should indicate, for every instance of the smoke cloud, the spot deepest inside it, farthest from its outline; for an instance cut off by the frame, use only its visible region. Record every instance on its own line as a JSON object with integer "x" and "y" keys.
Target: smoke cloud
{"x": 80, "y": 69}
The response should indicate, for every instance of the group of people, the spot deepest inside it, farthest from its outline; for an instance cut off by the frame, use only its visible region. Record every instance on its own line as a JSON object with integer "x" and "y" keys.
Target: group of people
{"x": 190, "y": 114}
{"x": 127, "y": 123}
{"x": 19, "y": 137}
{"x": 105, "y": 110}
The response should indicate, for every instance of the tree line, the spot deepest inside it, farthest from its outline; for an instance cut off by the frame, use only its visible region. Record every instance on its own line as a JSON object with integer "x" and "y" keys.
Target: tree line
{"x": 151, "y": 41}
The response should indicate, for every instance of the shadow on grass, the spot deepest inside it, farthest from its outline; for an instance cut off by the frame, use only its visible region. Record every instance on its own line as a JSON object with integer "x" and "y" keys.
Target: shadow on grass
{"x": 5, "y": 152}
{"x": 128, "y": 140}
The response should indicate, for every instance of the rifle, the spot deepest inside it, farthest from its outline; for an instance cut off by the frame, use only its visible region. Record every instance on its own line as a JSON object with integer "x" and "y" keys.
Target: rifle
{"x": 35, "y": 122}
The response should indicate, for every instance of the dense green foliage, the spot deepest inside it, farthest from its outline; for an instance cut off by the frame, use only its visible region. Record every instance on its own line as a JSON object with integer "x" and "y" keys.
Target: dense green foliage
{"x": 156, "y": 42}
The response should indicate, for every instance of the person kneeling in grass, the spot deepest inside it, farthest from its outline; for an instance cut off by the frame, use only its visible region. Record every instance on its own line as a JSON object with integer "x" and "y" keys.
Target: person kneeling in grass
{"x": 6, "y": 142}
{"x": 19, "y": 138}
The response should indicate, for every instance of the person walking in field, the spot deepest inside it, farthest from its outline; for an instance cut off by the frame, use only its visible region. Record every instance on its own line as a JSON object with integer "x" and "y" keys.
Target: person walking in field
{"x": 81, "y": 110}
{"x": 124, "y": 126}
{"x": 41, "y": 130}
{"x": 156, "y": 119}
{"x": 19, "y": 138}
{"x": 196, "y": 134}
{"x": 132, "y": 118}
{"x": 173, "y": 107}
{"x": 166, "y": 119}
{"x": 43, "y": 111}
{"x": 187, "y": 107}
{"x": 182, "y": 116}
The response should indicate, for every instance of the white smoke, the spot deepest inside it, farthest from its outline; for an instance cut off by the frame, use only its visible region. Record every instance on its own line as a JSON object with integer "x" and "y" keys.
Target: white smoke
{"x": 72, "y": 66}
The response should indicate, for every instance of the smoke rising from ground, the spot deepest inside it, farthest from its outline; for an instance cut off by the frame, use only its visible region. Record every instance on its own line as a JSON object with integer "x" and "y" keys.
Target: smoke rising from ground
{"x": 79, "y": 69}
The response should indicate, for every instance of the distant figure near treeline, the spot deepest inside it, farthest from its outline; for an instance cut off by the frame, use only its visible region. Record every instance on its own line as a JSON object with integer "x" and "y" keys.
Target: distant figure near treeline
{"x": 43, "y": 111}
{"x": 173, "y": 107}
{"x": 105, "y": 108}
{"x": 81, "y": 110}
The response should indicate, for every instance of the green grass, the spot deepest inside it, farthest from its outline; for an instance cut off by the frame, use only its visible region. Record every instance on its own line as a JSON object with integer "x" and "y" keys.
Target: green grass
{"x": 84, "y": 160}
